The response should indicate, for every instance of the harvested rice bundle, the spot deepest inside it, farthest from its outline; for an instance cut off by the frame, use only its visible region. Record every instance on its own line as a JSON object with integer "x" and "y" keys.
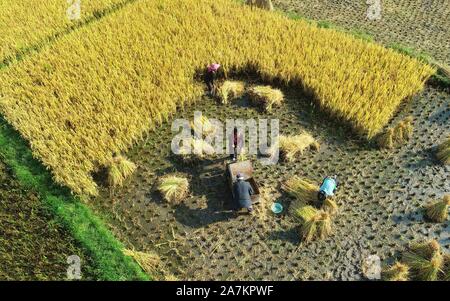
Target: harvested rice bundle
{"x": 438, "y": 211}
{"x": 397, "y": 272}
{"x": 303, "y": 190}
{"x": 265, "y": 97}
{"x": 408, "y": 127}
{"x": 386, "y": 140}
{"x": 305, "y": 213}
{"x": 315, "y": 223}
{"x": 173, "y": 188}
{"x": 425, "y": 260}
{"x": 231, "y": 90}
{"x": 149, "y": 262}
{"x": 446, "y": 268}
{"x": 204, "y": 127}
{"x": 293, "y": 146}
{"x": 396, "y": 136}
{"x": 443, "y": 152}
{"x": 399, "y": 133}
{"x": 330, "y": 206}
{"x": 119, "y": 169}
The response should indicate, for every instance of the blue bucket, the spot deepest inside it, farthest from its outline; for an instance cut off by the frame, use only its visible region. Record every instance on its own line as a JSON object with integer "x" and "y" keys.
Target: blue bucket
{"x": 276, "y": 208}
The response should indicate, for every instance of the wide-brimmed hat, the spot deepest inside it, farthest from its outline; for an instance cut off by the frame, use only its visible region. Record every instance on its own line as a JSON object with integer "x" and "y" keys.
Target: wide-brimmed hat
{"x": 213, "y": 67}
{"x": 240, "y": 176}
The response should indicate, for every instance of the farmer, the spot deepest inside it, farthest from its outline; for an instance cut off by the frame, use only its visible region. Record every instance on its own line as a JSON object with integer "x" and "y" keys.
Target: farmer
{"x": 236, "y": 140}
{"x": 327, "y": 188}
{"x": 210, "y": 76}
{"x": 242, "y": 191}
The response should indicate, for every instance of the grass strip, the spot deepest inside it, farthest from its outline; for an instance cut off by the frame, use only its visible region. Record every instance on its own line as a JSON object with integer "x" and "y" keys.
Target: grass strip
{"x": 81, "y": 222}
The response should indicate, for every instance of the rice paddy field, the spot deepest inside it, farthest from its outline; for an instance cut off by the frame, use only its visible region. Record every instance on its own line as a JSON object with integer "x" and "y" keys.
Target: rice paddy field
{"x": 98, "y": 94}
{"x": 422, "y": 24}
{"x": 33, "y": 246}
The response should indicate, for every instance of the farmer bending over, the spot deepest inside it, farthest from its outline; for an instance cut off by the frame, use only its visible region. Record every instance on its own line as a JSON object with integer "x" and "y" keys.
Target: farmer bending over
{"x": 242, "y": 191}
{"x": 327, "y": 188}
{"x": 210, "y": 76}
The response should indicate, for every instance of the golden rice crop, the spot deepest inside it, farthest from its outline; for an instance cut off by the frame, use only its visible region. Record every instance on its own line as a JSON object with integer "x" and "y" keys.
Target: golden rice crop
{"x": 396, "y": 272}
{"x": 397, "y": 135}
{"x": 174, "y": 188}
{"x": 265, "y": 97}
{"x": 28, "y": 23}
{"x": 120, "y": 169}
{"x": 291, "y": 147}
{"x": 99, "y": 89}
{"x": 314, "y": 223}
{"x": 446, "y": 268}
{"x": 425, "y": 260}
{"x": 230, "y": 90}
{"x": 302, "y": 189}
{"x": 438, "y": 211}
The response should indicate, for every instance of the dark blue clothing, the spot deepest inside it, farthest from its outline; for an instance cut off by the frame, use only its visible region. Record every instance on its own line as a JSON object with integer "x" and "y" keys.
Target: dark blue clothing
{"x": 242, "y": 193}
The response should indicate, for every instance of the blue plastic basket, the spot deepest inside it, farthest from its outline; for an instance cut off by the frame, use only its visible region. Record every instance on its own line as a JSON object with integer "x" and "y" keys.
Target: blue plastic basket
{"x": 276, "y": 208}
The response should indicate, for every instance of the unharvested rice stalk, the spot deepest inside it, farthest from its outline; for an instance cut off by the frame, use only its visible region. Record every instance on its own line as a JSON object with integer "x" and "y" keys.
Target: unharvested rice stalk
{"x": 438, "y": 211}
{"x": 291, "y": 147}
{"x": 119, "y": 170}
{"x": 31, "y": 23}
{"x": 443, "y": 152}
{"x": 330, "y": 206}
{"x": 149, "y": 262}
{"x": 396, "y": 272}
{"x": 265, "y": 97}
{"x": 99, "y": 89}
{"x": 425, "y": 260}
{"x": 231, "y": 90}
{"x": 302, "y": 189}
{"x": 173, "y": 188}
{"x": 203, "y": 126}
{"x": 315, "y": 223}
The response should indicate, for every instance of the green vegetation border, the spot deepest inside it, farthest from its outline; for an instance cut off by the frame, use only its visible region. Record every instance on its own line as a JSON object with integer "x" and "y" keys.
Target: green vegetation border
{"x": 88, "y": 229}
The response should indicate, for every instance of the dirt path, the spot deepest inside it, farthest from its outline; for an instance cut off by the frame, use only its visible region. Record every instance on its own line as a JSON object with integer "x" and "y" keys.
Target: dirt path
{"x": 380, "y": 199}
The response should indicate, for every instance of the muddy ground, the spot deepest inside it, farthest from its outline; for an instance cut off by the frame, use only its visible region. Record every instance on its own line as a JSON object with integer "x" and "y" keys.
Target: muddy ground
{"x": 380, "y": 198}
{"x": 423, "y": 24}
